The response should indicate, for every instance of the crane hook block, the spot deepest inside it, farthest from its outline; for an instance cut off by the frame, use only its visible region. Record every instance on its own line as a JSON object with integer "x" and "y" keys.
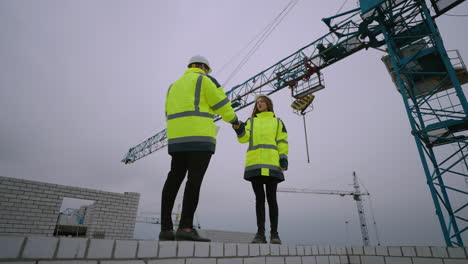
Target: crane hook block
{"x": 302, "y": 103}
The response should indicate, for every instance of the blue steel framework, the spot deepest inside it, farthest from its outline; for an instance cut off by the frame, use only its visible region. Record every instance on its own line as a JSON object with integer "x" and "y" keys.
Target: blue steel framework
{"x": 423, "y": 73}
{"x": 435, "y": 103}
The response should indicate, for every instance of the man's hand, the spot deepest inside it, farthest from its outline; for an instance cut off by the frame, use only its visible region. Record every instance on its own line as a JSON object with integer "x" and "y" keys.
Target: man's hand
{"x": 236, "y": 126}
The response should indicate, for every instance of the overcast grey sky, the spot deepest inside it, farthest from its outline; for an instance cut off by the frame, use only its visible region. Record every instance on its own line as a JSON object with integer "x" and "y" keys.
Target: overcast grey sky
{"x": 83, "y": 81}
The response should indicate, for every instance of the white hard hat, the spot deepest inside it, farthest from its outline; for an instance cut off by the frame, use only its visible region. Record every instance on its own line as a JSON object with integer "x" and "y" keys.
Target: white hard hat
{"x": 200, "y": 59}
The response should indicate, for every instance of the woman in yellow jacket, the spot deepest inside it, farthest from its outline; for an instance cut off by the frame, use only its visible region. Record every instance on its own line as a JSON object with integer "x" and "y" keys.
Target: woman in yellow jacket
{"x": 266, "y": 159}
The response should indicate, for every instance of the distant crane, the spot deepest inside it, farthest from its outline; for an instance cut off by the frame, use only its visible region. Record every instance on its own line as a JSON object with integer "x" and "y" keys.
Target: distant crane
{"x": 356, "y": 196}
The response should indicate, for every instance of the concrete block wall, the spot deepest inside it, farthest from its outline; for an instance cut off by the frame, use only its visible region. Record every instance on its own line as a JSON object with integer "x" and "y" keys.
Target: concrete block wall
{"x": 226, "y": 236}
{"x": 48, "y": 250}
{"x": 30, "y": 207}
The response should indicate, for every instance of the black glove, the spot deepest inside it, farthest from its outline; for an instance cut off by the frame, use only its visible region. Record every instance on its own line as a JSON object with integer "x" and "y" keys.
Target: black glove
{"x": 240, "y": 129}
{"x": 284, "y": 163}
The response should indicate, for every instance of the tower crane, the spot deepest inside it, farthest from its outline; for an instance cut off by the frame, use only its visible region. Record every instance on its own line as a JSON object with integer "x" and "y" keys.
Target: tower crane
{"x": 356, "y": 194}
{"x": 427, "y": 77}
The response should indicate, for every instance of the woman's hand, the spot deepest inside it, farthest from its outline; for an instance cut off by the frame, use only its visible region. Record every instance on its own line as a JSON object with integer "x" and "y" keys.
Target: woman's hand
{"x": 238, "y": 125}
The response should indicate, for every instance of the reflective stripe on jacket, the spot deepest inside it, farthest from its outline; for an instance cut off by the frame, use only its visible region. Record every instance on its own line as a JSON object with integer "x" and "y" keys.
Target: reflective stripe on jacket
{"x": 191, "y": 104}
{"x": 268, "y": 143}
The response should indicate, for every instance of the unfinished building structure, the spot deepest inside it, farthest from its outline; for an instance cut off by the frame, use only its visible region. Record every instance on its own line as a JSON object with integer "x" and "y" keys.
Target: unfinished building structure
{"x": 30, "y": 207}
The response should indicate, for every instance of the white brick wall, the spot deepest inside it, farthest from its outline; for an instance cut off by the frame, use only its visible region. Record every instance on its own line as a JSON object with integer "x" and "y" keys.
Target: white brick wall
{"x": 293, "y": 260}
{"x": 48, "y": 250}
{"x": 167, "y": 249}
{"x": 125, "y": 248}
{"x": 322, "y": 260}
{"x": 372, "y": 260}
{"x": 439, "y": 252}
{"x": 397, "y": 260}
{"x": 100, "y": 248}
{"x": 202, "y": 249}
{"x": 274, "y": 250}
{"x": 242, "y": 250}
{"x": 230, "y": 261}
{"x": 395, "y": 251}
{"x": 147, "y": 249}
{"x": 10, "y": 247}
{"x": 40, "y": 247}
{"x": 254, "y": 250}
{"x": 230, "y": 250}
{"x": 369, "y": 250}
{"x": 216, "y": 249}
{"x": 71, "y": 248}
{"x": 186, "y": 249}
{"x": 265, "y": 249}
{"x": 409, "y": 251}
{"x": 422, "y": 252}
{"x": 284, "y": 250}
{"x": 30, "y": 207}
{"x": 255, "y": 260}
{"x": 308, "y": 260}
{"x": 456, "y": 252}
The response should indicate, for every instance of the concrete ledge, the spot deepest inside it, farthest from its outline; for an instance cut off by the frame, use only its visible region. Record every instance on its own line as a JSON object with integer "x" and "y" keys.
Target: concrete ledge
{"x": 49, "y": 250}
{"x": 10, "y": 247}
{"x": 72, "y": 248}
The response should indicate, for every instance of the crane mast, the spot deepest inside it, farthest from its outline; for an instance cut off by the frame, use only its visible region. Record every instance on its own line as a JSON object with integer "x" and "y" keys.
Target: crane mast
{"x": 362, "y": 217}
{"x": 426, "y": 75}
{"x": 356, "y": 194}
{"x": 429, "y": 80}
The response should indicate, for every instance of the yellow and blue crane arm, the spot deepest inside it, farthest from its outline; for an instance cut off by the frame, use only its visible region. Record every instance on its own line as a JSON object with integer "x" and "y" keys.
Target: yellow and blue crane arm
{"x": 345, "y": 38}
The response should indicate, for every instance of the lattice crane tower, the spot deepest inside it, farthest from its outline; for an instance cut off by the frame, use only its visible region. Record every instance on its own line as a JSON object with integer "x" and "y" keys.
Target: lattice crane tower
{"x": 356, "y": 194}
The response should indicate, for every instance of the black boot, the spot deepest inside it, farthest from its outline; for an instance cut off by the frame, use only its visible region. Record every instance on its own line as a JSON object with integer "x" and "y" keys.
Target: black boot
{"x": 192, "y": 235}
{"x": 259, "y": 239}
{"x": 166, "y": 235}
{"x": 274, "y": 238}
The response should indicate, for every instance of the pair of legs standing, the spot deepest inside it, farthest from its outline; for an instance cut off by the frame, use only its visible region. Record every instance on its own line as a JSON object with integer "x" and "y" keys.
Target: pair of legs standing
{"x": 193, "y": 164}
{"x": 265, "y": 186}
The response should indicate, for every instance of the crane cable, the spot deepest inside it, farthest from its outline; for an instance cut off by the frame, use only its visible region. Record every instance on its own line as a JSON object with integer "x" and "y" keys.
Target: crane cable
{"x": 341, "y": 7}
{"x": 306, "y": 141}
{"x": 267, "y": 31}
{"x": 455, "y": 15}
{"x": 263, "y": 36}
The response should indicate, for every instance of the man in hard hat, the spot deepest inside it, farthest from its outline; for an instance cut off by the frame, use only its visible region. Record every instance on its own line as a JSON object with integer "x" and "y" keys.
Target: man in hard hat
{"x": 191, "y": 104}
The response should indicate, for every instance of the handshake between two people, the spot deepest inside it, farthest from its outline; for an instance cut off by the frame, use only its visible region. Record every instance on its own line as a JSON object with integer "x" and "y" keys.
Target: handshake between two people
{"x": 239, "y": 128}
{"x": 238, "y": 125}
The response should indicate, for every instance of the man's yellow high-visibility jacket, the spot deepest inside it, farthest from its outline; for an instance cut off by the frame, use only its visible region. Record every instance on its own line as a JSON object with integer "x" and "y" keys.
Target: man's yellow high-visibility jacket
{"x": 191, "y": 104}
{"x": 268, "y": 146}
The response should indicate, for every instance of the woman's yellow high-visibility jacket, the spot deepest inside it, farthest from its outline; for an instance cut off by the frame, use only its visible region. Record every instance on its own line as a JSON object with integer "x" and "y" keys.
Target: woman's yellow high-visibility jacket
{"x": 268, "y": 146}
{"x": 191, "y": 104}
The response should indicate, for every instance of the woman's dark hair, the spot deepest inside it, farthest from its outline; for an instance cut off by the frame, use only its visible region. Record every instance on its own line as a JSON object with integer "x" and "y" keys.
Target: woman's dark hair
{"x": 269, "y": 104}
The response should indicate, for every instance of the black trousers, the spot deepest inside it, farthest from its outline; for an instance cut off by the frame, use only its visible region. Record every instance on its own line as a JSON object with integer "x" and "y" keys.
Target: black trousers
{"x": 259, "y": 186}
{"x": 195, "y": 163}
